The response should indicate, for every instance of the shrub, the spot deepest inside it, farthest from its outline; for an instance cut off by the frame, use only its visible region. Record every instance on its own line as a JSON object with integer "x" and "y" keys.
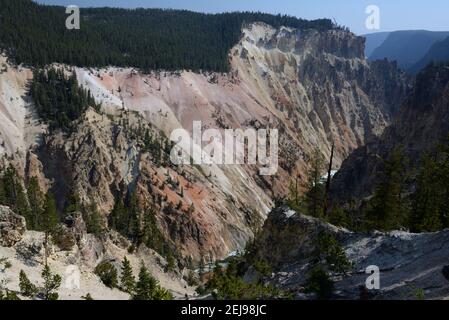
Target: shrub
{"x": 87, "y": 297}
{"x": 108, "y": 274}
{"x": 229, "y": 285}
{"x": 334, "y": 255}
{"x": 319, "y": 283}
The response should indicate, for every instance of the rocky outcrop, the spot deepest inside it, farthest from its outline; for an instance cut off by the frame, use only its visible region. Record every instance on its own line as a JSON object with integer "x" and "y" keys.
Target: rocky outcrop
{"x": 12, "y": 227}
{"x": 288, "y": 237}
{"x": 20, "y": 128}
{"x": 78, "y": 271}
{"x": 25, "y": 250}
{"x": 411, "y": 266}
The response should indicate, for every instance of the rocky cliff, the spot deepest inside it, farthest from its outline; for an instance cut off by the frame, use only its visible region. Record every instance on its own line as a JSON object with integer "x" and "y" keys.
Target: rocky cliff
{"x": 315, "y": 87}
{"x": 420, "y": 125}
{"x": 22, "y": 249}
{"x": 412, "y": 266}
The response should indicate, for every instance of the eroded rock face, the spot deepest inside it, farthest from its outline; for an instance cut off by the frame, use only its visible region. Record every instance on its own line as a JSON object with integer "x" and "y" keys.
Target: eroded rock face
{"x": 320, "y": 86}
{"x": 411, "y": 265}
{"x": 314, "y": 87}
{"x": 31, "y": 248}
{"x": 12, "y": 227}
{"x": 420, "y": 125}
{"x": 288, "y": 237}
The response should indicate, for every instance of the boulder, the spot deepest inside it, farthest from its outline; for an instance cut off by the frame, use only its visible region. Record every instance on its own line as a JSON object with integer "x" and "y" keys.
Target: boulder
{"x": 12, "y": 227}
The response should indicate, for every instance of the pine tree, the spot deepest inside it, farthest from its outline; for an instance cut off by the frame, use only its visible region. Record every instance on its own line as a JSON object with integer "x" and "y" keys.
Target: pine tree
{"x": 152, "y": 237}
{"x": 320, "y": 283}
{"x": 119, "y": 216}
{"x": 294, "y": 194}
{"x": 133, "y": 223}
{"x": 51, "y": 284}
{"x": 2, "y": 192}
{"x": 36, "y": 200}
{"x": 147, "y": 287}
{"x": 49, "y": 215}
{"x": 49, "y": 220}
{"x": 93, "y": 220}
{"x": 315, "y": 194}
{"x": 14, "y": 194}
{"x": 73, "y": 204}
{"x": 59, "y": 99}
{"x": 128, "y": 282}
{"x": 171, "y": 262}
{"x": 108, "y": 274}
{"x": 387, "y": 210}
{"x": 27, "y": 288}
{"x": 430, "y": 200}
{"x": 8, "y": 295}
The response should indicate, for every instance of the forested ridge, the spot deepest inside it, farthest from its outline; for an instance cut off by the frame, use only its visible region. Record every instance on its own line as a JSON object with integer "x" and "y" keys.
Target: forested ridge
{"x": 144, "y": 38}
{"x": 59, "y": 99}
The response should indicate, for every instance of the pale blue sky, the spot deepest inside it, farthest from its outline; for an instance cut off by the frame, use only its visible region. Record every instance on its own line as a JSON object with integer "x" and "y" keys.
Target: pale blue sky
{"x": 395, "y": 14}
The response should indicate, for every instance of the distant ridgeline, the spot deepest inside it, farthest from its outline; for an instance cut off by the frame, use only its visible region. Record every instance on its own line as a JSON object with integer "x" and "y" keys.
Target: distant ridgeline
{"x": 144, "y": 38}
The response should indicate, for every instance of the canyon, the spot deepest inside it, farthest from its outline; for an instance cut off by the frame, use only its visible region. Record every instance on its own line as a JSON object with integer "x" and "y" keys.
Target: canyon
{"x": 315, "y": 87}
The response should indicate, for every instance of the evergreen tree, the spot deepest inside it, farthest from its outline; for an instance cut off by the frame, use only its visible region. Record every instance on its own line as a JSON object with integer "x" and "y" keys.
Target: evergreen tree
{"x": 228, "y": 284}
{"x": 119, "y": 217}
{"x": 430, "y": 201}
{"x": 49, "y": 220}
{"x": 108, "y": 274}
{"x": 3, "y": 199}
{"x": 27, "y": 288}
{"x": 320, "y": 283}
{"x": 126, "y": 218}
{"x": 387, "y": 209}
{"x": 147, "y": 287}
{"x": 328, "y": 249}
{"x": 171, "y": 262}
{"x": 49, "y": 215}
{"x": 315, "y": 194}
{"x": 14, "y": 194}
{"x": 73, "y": 204}
{"x": 36, "y": 200}
{"x": 294, "y": 194}
{"x": 152, "y": 237}
{"x": 133, "y": 225}
{"x": 51, "y": 284}
{"x": 93, "y": 220}
{"x": 8, "y": 295}
{"x": 128, "y": 282}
